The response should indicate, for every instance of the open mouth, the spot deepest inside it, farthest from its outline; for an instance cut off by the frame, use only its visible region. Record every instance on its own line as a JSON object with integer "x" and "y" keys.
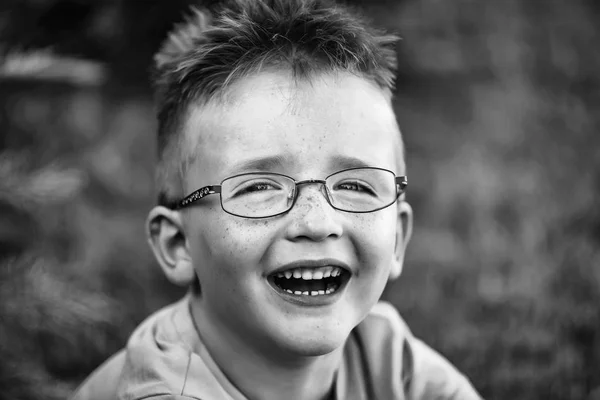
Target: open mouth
{"x": 320, "y": 281}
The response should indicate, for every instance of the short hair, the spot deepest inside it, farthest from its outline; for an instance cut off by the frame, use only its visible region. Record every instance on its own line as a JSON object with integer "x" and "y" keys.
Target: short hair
{"x": 205, "y": 54}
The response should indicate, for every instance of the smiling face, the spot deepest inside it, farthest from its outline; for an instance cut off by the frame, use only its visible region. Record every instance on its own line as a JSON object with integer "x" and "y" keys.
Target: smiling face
{"x": 305, "y": 130}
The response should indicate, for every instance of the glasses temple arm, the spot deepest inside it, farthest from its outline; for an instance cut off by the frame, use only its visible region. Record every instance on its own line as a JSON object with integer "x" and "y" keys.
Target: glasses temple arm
{"x": 197, "y": 195}
{"x": 402, "y": 182}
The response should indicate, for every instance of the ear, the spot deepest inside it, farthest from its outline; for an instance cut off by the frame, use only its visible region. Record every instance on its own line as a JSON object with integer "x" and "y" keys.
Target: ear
{"x": 165, "y": 234}
{"x": 403, "y": 234}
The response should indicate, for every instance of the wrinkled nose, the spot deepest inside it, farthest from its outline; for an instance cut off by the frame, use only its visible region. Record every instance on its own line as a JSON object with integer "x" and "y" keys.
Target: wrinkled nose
{"x": 312, "y": 217}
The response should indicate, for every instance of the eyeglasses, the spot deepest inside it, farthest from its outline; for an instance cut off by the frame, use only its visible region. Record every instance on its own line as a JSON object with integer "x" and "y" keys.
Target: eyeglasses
{"x": 266, "y": 194}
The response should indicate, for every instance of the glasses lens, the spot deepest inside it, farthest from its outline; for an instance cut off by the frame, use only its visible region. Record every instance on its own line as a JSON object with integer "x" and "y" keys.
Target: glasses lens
{"x": 257, "y": 195}
{"x": 362, "y": 189}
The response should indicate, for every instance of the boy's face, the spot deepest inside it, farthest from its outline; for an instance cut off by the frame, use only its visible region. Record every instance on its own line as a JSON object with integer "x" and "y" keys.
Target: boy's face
{"x": 306, "y": 130}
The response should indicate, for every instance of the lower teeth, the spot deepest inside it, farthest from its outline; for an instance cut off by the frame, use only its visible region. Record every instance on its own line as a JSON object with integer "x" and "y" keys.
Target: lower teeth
{"x": 330, "y": 289}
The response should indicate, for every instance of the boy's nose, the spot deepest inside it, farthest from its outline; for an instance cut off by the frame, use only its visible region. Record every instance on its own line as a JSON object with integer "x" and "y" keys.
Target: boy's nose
{"x": 312, "y": 216}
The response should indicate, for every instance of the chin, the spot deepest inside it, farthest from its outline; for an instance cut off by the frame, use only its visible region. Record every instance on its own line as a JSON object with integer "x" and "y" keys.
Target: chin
{"x": 313, "y": 345}
{"x": 314, "y": 349}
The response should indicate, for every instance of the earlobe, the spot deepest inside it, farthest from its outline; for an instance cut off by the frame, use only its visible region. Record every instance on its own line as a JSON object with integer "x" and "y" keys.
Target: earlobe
{"x": 403, "y": 234}
{"x": 166, "y": 237}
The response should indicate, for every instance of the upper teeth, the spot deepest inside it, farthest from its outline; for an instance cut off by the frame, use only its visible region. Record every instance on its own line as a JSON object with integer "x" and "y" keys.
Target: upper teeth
{"x": 310, "y": 273}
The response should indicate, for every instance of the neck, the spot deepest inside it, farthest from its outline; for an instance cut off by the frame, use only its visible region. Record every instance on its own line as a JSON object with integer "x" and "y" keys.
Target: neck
{"x": 280, "y": 375}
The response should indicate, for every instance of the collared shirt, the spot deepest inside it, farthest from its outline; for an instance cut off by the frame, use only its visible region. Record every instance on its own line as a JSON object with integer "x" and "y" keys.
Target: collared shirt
{"x": 166, "y": 359}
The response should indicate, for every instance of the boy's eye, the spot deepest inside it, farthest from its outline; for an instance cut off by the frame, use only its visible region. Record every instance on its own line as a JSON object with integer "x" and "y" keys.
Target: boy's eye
{"x": 257, "y": 187}
{"x": 251, "y": 187}
{"x": 355, "y": 186}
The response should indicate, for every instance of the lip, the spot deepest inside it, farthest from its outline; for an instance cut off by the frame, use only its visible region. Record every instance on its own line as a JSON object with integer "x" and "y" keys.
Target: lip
{"x": 323, "y": 262}
{"x": 312, "y": 301}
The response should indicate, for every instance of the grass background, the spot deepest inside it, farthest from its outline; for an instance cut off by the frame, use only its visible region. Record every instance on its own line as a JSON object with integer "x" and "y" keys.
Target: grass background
{"x": 499, "y": 106}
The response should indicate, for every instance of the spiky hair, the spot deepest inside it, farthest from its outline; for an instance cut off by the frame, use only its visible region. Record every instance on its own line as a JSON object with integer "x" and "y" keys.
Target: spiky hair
{"x": 205, "y": 54}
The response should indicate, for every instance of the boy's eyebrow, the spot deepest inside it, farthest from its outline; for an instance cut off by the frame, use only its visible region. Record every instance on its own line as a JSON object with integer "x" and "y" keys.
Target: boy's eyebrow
{"x": 269, "y": 163}
{"x": 345, "y": 162}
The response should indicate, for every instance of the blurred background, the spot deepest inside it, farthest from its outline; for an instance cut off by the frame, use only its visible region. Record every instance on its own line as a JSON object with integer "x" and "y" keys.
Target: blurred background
{"x": 499, "y": 103}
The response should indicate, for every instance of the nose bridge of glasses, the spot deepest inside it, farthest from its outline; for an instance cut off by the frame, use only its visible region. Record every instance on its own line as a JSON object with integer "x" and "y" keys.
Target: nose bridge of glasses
{"x": 309, "y": 181}
{"x": 323, "y": 187}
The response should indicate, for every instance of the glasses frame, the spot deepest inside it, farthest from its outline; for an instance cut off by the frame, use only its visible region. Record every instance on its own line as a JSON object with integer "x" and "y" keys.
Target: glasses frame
{"x": 401, "y": 184}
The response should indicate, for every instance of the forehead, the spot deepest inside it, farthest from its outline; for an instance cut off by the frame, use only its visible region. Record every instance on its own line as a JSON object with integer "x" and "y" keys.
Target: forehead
{"x": 269, "y": 121}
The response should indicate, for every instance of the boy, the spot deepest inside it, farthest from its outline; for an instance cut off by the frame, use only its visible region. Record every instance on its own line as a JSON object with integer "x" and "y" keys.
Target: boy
{"x": 282, "y": 206}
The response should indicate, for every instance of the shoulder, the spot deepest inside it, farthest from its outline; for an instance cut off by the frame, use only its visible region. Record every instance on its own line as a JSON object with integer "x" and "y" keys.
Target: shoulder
{"x": 159, "y": 353}
{"x": 403, "y": 363}
{"x": 152, "y": 365}
{"x": 102, "y": 383}
{"x": 433, "y": 375}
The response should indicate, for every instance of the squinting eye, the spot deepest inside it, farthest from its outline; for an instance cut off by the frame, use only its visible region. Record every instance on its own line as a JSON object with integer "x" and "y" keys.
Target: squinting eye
{"x": 256, "y": 187}
{"x": 354, "y": 186}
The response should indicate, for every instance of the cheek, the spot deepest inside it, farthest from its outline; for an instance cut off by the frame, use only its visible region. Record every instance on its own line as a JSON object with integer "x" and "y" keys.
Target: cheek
{"x": 228, "y": 246}
{"x": 375, "y": 239}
